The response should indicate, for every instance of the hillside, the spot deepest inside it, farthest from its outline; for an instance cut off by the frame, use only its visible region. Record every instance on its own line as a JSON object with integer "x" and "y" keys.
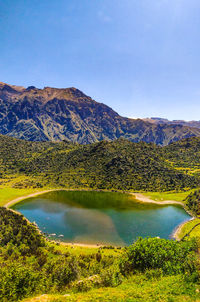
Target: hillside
{"x": 118, "y": 165}
{"x": 52, "y": 114}
{"x": 185, "y": 155}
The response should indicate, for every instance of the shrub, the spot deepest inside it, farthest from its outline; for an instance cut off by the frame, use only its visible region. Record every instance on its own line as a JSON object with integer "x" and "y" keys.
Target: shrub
{"x": 61, "y": 271}
{"x": 193, "y": 202}
{"x": 86, "y": 284}
{"x": 111, "y": 276}
{"x": 152, "y": 253}
{"x": 18, "y": 281}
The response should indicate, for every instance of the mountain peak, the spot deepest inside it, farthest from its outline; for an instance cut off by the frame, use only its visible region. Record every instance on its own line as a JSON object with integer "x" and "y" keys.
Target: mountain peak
{"x": 71, "y": 91}
{"x": 58, "y": 114}
{"x": 44, "y": 95}
{"x": 11, "y": 88}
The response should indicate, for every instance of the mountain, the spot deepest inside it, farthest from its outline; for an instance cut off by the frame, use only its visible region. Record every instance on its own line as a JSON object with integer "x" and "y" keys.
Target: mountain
{"x": 161, "y": 121}
{"x": 52, "y": 114}
{"x": 120, "y": 164}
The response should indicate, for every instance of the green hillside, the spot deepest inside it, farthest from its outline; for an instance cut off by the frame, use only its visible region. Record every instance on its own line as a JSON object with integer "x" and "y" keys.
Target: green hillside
{"x": 184, "y": 155}
{"x": 119, "y": 165}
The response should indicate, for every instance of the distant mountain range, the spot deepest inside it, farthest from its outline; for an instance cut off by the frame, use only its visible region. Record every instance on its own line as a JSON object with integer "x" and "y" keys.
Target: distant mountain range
{"x": 161, "y": 121}
{"x": 53, "y": 114}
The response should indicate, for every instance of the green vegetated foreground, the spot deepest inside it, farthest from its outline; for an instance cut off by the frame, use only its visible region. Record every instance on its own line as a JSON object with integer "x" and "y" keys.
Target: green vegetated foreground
{"x": 152, "y": 269}
{"x": 137, "y": 288}
{"x": 119, "y": 165}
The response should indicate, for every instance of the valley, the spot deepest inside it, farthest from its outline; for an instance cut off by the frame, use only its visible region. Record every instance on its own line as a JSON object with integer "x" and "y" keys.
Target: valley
{"x": 99, "y": 151}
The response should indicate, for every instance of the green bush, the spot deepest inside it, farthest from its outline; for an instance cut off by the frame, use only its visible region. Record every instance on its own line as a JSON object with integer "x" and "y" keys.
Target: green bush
{"x": 111, "y": 276}
{"x": 16, "y": 230}
{"x": 86, "y": 284}
{"x": 61, "y": 271}
{"x": 18, "y": 281}
{"x": 193, "y": 202}
{"x": 153, "y": 253}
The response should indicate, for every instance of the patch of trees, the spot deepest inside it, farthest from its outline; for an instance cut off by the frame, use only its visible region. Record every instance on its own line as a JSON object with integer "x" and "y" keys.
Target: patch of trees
{"x": 16, "y": 231}
{"x": 193, "y": 202}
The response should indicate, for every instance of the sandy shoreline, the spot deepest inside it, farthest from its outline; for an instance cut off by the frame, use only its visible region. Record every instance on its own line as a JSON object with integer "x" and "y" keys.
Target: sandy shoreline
{"x": 139, "y": 196}
{"x": 18, "y": 199}
{"x": 71, "y": 244}
{"x": 146, "y": 199}
{"x": 177, "y": 231}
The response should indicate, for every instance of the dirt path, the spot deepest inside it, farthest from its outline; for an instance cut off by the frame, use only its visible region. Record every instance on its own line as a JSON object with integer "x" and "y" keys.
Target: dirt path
{"x": 144, "y": 198}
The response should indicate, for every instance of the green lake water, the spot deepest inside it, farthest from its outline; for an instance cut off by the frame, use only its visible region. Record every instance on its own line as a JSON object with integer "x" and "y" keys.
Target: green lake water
{"x": 100, "y": 217}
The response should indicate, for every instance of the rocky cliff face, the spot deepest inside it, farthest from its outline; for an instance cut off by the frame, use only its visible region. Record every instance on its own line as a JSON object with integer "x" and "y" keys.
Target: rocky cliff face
{"x": 68, "y": 114}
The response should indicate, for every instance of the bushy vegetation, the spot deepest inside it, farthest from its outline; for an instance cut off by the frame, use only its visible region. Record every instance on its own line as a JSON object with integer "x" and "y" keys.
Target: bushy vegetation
{"x": 168, "y": 256}
{"x": 185, "y": 155}
{"x": 16, "y": 231}
{"x": 30, "y": 265}
{"x": 118, "y": 165}
{"x": 137, "y": 288}
{"x": 192, "y": 202}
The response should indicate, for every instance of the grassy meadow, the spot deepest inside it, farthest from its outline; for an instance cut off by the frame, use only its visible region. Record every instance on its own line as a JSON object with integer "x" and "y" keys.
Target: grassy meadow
{"x": 187, "y": 227}
{"x": 163, "y": 196}
{"x": 135, "y": 289}
{"x": 8, "y": 194}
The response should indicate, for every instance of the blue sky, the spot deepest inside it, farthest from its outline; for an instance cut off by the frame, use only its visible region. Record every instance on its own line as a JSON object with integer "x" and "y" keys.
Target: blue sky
{"x": 141, "y": 57}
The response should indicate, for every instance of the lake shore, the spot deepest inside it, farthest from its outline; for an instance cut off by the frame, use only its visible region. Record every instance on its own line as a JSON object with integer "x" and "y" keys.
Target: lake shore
{"x": 84, "y": 245}
{"x": 146, "y": 199}
{"x": 177, "y": 231}
{"x": 21, "y": 198}
{"x": 18, "y": 199}
{"x": 138, "y": 196}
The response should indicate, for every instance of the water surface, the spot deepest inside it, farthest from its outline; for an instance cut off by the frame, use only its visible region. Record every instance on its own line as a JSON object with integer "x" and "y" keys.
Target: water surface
{"x": 99, "y": 217}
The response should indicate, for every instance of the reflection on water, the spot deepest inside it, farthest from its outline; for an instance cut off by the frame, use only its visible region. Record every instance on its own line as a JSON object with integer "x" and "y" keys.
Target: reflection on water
{"x": 98, "y": 217}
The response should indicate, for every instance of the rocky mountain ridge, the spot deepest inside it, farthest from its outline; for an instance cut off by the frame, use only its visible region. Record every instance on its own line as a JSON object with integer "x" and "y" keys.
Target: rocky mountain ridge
{"x": 53, "y": 114}
{"x": 158, "y": 120}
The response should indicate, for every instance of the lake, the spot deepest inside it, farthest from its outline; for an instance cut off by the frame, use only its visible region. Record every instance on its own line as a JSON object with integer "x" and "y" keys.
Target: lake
{"x": 99, "y": 217}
